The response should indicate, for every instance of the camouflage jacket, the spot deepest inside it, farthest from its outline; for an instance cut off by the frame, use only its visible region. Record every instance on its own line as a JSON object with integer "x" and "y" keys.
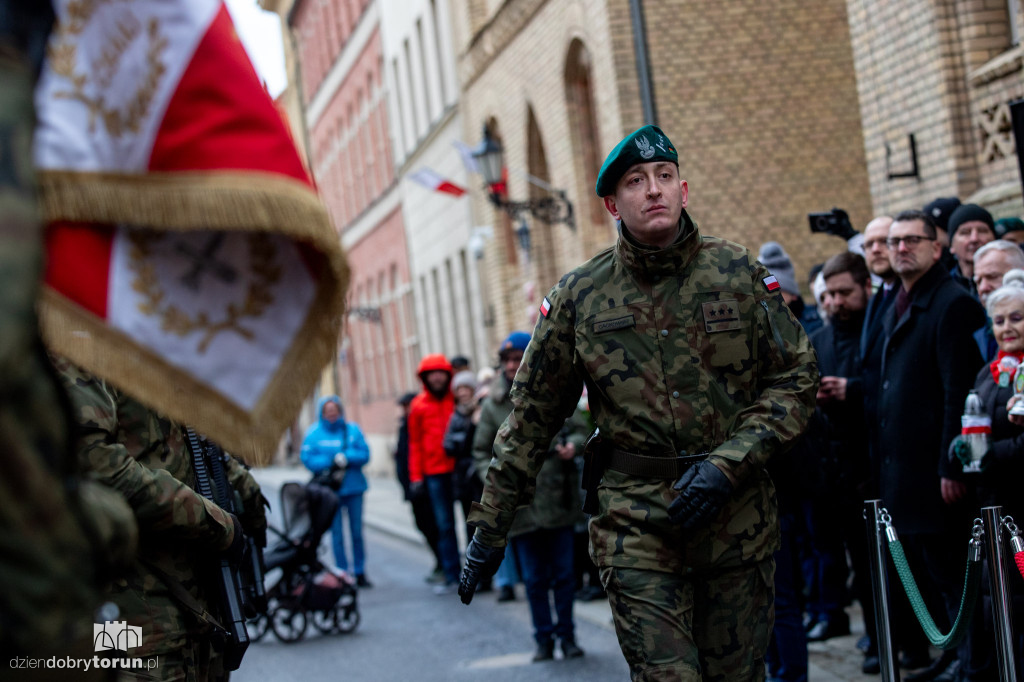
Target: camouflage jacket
{"x": 682, "y": 348}
{"x": 144, "y": 456}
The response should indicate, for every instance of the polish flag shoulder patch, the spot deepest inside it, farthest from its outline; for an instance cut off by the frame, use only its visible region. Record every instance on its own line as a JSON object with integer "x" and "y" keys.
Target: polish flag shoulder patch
{"x": 545, "y": 307}
{"x": 770, "y": 283}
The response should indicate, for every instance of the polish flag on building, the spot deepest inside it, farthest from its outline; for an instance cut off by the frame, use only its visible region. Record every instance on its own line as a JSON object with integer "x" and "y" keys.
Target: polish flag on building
{"x": 190, "y": 260}
{"x": 432, "y": 180}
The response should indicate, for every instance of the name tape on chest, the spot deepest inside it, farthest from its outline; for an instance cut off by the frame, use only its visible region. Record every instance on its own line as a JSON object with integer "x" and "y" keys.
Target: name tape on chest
{"x": 721, "y": 316}
{"x": 623, "y": 322}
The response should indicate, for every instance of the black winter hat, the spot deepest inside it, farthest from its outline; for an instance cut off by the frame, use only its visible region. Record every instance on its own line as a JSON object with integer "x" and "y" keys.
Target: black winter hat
{"x": 968, "y": 212}
{"x": 941, "y": 209}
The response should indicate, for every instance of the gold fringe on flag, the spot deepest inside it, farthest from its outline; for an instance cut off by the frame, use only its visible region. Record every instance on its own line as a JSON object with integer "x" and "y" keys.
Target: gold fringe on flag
{"x": 244, "y": 201}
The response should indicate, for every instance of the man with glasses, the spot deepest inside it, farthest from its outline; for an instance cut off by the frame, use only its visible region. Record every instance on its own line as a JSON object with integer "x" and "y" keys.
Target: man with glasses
{"x": 929, "y": 359}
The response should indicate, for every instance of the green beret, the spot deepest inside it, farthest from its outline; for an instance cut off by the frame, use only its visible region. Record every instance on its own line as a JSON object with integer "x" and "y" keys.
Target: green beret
{"x": 642, "y": 145}
{"x": 1004, "y": 225}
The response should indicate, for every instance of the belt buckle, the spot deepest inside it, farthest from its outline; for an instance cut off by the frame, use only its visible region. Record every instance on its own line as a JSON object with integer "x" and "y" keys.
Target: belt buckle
{"x": 684, "y": 460}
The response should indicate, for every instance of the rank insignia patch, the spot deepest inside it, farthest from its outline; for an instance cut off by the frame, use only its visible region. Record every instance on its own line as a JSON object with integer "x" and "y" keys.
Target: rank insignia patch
{"x": 721, "y": 316}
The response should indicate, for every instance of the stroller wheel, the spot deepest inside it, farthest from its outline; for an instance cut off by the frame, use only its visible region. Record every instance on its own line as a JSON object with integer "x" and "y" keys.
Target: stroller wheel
{"x": 346, "y": 618}
{"x": 288, "y": 625}
{"x": 326, "y": 621}
{"x": 257, "y": 627}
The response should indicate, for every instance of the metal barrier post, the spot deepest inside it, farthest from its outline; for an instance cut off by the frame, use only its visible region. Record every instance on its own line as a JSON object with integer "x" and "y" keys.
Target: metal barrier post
{"x": 880, "y": 590}
{"x": 1000, "y": 594}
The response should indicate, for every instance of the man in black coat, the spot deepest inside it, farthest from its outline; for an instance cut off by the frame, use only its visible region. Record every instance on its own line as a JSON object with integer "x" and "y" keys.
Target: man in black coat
{"x": 835, "y": 524}
{"x": 929, "y": 361}
{"x": 909, "y": 637}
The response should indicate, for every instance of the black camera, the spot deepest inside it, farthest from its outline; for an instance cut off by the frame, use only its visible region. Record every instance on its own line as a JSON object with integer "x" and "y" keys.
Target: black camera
{"x": 835, "y": 222}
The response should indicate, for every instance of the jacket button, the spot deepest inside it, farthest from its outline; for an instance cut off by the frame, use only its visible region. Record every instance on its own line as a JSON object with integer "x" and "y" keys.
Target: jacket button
{"x": 885, "y": 385}
{"x": 664, "y": 332}
{"x": 675, "y": 394}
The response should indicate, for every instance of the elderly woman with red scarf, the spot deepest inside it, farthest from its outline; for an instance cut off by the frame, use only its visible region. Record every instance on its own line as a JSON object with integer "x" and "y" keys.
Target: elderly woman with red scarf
{"x": 1002, "y": 467}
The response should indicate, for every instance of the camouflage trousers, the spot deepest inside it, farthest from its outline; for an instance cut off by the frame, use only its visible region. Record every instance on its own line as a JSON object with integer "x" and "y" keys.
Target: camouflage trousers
{"x": 712, "y": 626}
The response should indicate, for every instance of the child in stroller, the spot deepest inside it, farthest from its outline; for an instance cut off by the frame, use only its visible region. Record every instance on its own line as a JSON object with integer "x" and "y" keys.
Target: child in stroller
{"x": 301, "y": 588}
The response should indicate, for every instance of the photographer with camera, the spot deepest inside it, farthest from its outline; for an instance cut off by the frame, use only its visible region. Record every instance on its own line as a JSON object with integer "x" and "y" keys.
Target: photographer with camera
{"x": 335, "y": 450}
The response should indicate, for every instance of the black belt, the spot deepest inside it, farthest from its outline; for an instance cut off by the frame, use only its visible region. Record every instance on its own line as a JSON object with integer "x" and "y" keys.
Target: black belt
{"x": 664, "y": 466}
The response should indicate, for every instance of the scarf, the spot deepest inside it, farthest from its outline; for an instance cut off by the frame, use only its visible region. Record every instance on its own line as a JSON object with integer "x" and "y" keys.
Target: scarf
{"x": 997, "y": 369}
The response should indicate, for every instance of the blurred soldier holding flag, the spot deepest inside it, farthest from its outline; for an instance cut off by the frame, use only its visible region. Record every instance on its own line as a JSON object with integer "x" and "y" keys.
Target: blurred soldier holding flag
{"x": 192, "y": 277}
{"x": 61, "y": 536}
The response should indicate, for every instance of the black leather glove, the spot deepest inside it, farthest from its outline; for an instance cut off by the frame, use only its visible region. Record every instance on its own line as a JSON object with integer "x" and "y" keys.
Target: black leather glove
{"x": 703, "y": 491}
{"x": 482, "y": 563}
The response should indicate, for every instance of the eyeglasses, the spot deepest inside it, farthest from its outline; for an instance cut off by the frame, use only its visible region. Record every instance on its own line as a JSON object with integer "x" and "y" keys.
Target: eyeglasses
{"x": 911, "y": 241}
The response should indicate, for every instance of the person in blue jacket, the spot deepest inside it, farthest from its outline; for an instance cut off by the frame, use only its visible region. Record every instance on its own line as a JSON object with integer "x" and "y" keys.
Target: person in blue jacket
{"x": 335, "y": 443}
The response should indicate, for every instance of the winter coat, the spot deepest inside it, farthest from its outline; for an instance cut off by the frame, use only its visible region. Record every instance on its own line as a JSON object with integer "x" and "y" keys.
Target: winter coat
{"x": 428, "y": 420}
{"x": 458, "y": 443}
{"x": 929, "y": 362}
{"x": 324, "y": 440}
{"x": 999, "y": 483}
{"x": 843, "y": 462}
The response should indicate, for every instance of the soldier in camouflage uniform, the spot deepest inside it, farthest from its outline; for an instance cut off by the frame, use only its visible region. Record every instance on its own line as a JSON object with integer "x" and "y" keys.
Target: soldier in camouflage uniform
{"x": 686, "y": 348}
{"x": 56, "y": 530}
{"x": 145, "y": 457}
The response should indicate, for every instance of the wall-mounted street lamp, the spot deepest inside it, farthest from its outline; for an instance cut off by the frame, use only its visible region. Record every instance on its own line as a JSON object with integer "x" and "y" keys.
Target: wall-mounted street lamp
{"x": 551, "y": 209}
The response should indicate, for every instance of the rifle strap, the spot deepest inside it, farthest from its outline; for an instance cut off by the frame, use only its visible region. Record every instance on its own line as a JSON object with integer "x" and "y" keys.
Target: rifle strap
{"x": 184, "y": 597}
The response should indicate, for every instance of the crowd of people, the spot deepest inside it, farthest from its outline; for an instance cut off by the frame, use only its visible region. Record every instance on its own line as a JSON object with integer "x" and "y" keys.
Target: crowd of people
{"x": 915, "y": 313}
{"x": 917, "y": 310}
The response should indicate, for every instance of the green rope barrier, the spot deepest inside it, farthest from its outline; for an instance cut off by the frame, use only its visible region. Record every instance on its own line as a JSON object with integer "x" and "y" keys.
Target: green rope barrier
{"x": 967, "y": 601}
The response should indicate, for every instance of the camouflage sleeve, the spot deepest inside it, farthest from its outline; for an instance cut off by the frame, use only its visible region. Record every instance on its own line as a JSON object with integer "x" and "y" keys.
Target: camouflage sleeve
{"x": 254, "y": 505}
{"x": 161, "y": 503}
{"x": 544, "y": 394}
{"x": 787, "y": 383}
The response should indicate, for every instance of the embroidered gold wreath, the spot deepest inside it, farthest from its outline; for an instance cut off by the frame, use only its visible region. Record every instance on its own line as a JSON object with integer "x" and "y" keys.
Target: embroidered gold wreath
{"x": 176, "y": 321}
{"x": 63, "y": 58}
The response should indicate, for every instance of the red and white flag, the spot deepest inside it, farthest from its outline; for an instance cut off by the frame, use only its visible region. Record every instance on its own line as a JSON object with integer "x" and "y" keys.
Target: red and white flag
{"x": 434, "y": 181}
{"x": 190, "y": 260}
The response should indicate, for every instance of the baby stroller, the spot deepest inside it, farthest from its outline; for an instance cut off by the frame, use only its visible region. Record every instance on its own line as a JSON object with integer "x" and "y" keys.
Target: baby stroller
{"x": 300, "y": 588}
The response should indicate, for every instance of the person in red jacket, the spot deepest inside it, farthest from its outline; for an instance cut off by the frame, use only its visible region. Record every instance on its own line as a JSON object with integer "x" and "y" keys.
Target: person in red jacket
{"x": 429, "y": 464}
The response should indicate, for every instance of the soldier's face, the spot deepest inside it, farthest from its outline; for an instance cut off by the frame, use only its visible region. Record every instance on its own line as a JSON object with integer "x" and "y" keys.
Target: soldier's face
{"x": 648, "y": 199}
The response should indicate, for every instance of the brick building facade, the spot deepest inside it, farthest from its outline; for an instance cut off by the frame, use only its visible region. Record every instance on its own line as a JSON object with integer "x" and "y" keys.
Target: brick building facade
{"x": 945, "y": 72}
{"x": 761, "y": 100}
{"x": 343, "y": 94}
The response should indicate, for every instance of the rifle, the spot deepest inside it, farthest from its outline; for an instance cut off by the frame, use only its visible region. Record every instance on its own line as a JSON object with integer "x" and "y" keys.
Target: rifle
{"x": 231, "y": 585}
